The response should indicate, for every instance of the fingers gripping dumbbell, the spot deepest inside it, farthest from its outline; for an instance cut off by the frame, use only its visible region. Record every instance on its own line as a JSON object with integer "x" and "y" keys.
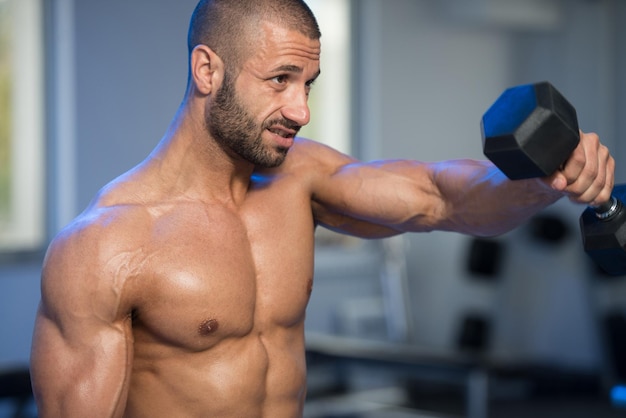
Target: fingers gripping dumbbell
{"x": 530, "y": 131}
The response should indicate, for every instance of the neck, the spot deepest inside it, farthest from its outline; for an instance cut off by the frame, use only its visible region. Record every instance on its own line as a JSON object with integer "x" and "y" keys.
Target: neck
{"x": 189, "y": 161}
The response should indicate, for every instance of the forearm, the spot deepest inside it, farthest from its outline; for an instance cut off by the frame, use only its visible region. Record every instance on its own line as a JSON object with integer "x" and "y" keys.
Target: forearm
{"x": 478, "y": 199}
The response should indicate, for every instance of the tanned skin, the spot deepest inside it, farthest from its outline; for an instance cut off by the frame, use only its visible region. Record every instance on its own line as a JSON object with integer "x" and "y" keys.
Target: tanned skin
{"x": 181, "y": 290}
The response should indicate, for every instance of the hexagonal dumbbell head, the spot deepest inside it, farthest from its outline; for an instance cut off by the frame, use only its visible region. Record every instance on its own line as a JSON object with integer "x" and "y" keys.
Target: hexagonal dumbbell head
{"x": 605, "y": 239}
{"x": 530, "y": 131}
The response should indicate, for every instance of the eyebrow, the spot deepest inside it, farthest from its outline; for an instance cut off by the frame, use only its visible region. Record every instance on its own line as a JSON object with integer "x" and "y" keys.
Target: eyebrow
{"x": 294, "y": 69}
{"x": 288, "y": 68}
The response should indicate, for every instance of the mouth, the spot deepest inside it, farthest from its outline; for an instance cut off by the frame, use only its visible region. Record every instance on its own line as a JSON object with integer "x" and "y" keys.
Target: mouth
{"x": 283, "y": 132}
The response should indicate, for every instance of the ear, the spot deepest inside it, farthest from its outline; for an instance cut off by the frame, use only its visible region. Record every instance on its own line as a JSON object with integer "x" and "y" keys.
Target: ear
{"x": 207, "y": 69}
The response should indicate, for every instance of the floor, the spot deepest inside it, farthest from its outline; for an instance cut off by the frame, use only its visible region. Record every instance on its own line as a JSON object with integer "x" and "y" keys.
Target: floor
{"x": 366, "y": 392}
{"x": 393, "y": 403}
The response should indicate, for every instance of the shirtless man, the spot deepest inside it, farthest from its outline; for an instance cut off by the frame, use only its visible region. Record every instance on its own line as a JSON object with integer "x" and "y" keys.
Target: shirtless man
{"x": 181, "y": 290}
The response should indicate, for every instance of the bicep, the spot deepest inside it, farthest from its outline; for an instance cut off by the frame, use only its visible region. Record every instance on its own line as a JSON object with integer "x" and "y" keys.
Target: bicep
{"x": 397, "y": 196}
{"x": 79, "y": 369}
{"x": 81, "y": 352}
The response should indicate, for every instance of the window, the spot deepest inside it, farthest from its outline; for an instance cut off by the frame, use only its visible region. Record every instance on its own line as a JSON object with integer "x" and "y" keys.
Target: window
{"x": 21, "y": 125}
{"x": 330, "y": 97}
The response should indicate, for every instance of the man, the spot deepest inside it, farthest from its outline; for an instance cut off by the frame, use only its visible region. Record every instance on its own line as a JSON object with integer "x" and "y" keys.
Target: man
{"x": 181, "y": 290}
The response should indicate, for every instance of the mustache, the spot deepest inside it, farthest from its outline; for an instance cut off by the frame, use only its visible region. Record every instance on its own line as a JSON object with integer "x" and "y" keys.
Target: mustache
{"x": 285, "y": 123}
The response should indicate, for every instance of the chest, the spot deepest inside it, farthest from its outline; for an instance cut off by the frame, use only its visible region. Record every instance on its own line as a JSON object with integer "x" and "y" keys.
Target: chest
{"x": 212, "y": 273}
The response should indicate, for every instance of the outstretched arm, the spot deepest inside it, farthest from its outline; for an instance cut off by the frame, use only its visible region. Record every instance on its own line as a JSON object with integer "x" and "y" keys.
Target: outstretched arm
{"x": 466, "y": 196}
{"x": 81, "y": 354}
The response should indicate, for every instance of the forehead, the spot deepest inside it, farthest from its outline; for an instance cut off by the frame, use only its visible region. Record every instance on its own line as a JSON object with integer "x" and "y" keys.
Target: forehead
{"x": 278, "y": 46}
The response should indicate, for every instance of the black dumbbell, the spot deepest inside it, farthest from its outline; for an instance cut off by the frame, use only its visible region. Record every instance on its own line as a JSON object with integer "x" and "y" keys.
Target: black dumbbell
{"x": 530, "y": 131}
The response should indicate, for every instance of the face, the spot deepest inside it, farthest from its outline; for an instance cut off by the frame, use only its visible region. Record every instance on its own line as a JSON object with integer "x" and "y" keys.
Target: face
{"x": 258, "y": 115}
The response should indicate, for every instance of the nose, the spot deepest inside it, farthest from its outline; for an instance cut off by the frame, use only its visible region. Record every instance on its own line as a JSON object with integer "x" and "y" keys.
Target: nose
{"x": 297, "y": 109}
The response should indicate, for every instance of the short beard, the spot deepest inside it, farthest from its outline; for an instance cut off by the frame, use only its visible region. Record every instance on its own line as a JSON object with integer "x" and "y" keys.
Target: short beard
{"x": 236, "y": 131}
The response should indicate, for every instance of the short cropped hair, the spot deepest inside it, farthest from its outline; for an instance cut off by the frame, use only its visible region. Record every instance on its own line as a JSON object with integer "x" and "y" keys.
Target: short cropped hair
{"x": 229, "y": 27}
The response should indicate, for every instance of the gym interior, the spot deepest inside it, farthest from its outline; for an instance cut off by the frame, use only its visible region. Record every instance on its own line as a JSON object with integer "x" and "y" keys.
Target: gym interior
{"x": 422, "y": 325}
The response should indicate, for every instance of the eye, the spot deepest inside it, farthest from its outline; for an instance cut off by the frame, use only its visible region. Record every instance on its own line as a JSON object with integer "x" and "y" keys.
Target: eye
{"x": 279, "y": 79}
{"x": 308, "y": 85}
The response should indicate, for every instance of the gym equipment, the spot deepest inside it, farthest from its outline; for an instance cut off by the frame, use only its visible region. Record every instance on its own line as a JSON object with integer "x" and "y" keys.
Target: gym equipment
{"x": 614, "y": 324}
{"x": 516, "y": 126}
{"x": 604, "y": 233}
{"x": 530, "y": 131}
{"x": 548, "y": 229}
{"x": 485, "y": 258}
{"x": 475, "y": 333}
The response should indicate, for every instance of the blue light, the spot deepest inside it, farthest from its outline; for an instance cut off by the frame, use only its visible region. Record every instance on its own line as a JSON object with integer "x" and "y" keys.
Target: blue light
{"x": 260, "y": 180}
{"x": 618, "y": 396}
{"x": 511, "y": 109}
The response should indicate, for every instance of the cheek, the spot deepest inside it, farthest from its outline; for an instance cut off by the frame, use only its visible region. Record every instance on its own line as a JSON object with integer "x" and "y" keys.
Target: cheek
{"x": 260, "y": 104}
{"x": 259, "y": 109}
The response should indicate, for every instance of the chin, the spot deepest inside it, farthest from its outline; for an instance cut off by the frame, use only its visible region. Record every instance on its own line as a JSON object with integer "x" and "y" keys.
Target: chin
{"x": 275, "y": 160}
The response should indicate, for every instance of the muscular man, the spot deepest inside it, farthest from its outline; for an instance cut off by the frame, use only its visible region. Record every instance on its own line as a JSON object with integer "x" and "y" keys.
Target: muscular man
{"x": 181, "y": 290}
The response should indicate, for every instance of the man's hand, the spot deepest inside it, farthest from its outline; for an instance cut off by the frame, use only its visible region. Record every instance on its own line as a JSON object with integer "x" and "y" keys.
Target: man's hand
{"x": 588, "y": 175}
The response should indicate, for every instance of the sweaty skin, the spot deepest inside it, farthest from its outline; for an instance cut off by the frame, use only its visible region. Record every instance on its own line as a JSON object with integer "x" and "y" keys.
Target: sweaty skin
{"x": 181, "y": 290}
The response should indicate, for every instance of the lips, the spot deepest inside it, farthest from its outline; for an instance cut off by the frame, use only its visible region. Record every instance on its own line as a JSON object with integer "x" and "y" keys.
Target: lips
{"x": 282, "y": 137}
{"x": 285, "y": 133}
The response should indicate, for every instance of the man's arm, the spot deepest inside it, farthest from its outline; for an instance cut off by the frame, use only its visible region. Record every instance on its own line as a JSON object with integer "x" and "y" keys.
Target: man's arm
{"x": 465, "y": 196}
{"x": 82, "y": 348}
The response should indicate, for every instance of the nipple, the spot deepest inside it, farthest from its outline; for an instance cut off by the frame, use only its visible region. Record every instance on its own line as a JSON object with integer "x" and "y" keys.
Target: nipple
{"x": 208, "y": 327}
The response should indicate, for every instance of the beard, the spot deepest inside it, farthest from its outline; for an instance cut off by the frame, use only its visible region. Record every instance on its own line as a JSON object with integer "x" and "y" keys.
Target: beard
{"x": 236, "y": 131}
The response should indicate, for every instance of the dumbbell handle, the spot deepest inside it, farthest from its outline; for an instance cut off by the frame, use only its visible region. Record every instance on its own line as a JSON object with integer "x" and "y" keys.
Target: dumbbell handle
{"x": 608, "y": 209}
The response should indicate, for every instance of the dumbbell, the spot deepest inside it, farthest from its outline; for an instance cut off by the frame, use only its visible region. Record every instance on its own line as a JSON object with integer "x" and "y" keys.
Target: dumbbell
{"x": 530, "y": 131}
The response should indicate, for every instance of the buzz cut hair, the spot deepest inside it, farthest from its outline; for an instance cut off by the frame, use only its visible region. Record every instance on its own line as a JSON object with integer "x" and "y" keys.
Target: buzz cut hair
{"x": 229, "y": 27}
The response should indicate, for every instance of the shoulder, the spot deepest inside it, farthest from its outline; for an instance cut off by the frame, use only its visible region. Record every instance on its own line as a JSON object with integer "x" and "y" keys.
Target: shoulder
{"x": 96, "y": 231}
{"x": 113, "y": 219}
{"x": 307, "y": 150}
{"x": 90, "y": 260}
{"x": 308, "y": 159}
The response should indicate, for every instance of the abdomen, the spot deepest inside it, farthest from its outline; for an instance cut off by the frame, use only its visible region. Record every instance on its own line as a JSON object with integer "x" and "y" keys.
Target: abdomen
{"x": 243, "y": 377}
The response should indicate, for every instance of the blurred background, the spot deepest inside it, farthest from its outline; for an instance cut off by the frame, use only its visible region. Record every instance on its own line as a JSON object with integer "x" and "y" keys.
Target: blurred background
{"x": 436, "y": 324}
